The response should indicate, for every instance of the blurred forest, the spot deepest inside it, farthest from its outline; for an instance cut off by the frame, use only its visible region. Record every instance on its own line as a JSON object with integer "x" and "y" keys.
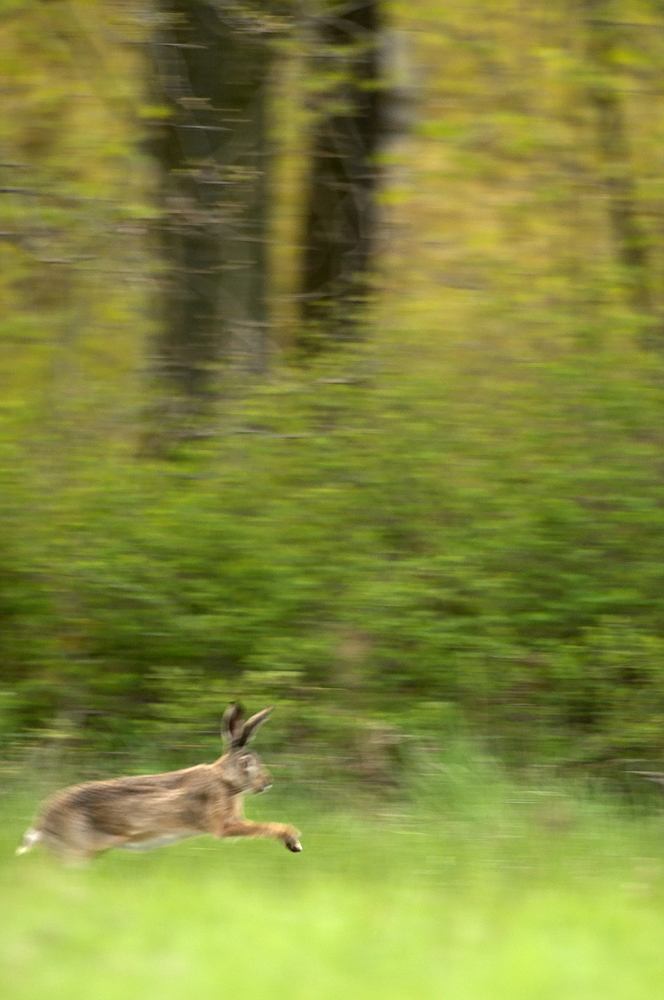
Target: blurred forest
{"x": 332, "y": 366}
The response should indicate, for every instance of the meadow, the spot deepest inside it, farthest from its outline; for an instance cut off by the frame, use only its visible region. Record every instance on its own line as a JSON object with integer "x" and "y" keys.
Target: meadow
{"x": 503, "y": 890}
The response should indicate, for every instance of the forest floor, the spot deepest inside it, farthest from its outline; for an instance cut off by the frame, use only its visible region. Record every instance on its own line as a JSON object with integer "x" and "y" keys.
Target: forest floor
{"x": 541, "y": 896}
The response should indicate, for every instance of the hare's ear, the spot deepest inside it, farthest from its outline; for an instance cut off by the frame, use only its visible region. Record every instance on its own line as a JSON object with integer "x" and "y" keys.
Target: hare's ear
{"x": 254, "y": 723}
{"x": 231, "y": 724}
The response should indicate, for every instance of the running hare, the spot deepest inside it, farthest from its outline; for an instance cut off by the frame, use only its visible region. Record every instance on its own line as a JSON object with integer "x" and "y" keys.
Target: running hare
{"x": 152, "y": 810}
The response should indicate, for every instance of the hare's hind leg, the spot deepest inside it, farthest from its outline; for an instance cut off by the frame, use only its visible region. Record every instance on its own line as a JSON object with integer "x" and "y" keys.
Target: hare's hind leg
{"x": 75, "y": 840}
{"x": 80, "y": 855}
{"x": 64, "y": 850}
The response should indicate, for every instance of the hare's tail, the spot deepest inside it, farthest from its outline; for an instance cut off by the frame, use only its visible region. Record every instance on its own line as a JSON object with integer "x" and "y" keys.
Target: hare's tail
{"x": 31, "y": 837}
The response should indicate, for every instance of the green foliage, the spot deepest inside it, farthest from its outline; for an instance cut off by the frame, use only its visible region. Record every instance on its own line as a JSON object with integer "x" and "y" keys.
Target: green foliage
{"x": 351, "y": 554}
{"x": 458, "y": 524}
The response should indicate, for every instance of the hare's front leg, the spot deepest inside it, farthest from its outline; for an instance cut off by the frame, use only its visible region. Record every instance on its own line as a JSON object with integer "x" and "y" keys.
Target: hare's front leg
{"x": 276, "y": 831}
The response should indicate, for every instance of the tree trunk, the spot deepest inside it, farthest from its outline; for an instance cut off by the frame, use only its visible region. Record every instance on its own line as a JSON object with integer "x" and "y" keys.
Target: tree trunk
{"x": 630, "y": 241}
{"x": 341, "y": 207}
{"x": 211, "y": 75}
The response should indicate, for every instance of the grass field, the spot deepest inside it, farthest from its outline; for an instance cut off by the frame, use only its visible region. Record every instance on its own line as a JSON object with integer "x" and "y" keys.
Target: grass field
{"x": 528, "y": 896}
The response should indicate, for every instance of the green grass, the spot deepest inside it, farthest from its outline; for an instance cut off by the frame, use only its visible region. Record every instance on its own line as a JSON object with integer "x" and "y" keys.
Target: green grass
{"x": 544, "y": 897}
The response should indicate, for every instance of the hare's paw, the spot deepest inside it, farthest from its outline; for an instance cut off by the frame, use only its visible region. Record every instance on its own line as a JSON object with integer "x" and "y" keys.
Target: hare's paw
{"x": 292, "y": 842}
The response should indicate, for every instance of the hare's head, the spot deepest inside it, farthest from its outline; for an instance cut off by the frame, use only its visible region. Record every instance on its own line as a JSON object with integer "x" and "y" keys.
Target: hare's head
{"x": 243, "y": 768}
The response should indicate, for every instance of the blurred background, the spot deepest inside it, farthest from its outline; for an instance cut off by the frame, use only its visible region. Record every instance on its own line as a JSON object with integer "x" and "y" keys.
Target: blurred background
{"x": 332, "y": 353}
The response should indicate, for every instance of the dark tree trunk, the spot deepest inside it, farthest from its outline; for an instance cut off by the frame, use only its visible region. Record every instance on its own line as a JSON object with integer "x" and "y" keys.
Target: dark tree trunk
{"x": 630, "y": 241}
{"x": 341, "y": 206}
{"x": 211, "y": 74}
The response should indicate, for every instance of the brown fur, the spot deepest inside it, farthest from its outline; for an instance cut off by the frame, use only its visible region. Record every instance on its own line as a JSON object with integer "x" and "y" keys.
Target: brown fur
{"x": 151, "y": 810}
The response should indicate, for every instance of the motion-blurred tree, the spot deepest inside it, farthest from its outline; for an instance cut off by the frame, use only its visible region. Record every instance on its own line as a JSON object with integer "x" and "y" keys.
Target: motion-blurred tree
{"x": 606, "y": 59}
{"x": 341, "y": 204}
{"x": 211, "y": 66}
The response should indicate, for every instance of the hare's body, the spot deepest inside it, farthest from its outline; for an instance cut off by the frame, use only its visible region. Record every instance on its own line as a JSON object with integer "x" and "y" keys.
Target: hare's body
{"x": 153, "y": 810}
